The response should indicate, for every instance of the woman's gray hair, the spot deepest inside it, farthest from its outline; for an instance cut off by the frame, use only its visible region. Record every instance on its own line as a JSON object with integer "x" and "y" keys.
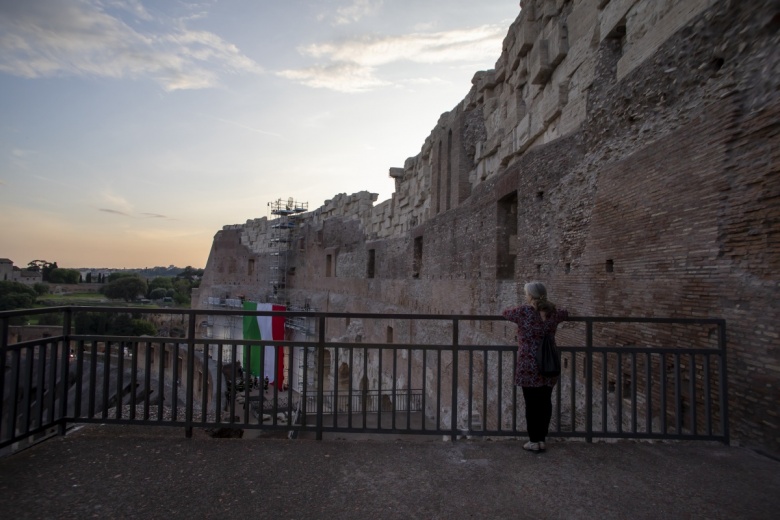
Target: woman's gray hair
{"x": 538, "y": 293}
{"x": 536, "y": 290}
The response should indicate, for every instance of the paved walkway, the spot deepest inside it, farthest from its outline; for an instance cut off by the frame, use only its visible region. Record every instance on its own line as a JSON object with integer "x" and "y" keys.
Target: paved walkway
{"x": 136, "y": 472}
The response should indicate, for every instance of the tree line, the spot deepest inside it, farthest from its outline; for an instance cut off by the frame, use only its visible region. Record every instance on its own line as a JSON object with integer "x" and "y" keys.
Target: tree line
{"x": 129, "y": 287}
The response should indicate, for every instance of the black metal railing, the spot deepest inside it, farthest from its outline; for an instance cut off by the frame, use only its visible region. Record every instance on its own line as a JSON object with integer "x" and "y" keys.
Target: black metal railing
{"x": 622, "y": 378}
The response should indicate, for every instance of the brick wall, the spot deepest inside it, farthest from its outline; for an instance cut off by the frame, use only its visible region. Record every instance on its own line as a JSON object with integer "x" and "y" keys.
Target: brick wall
{"x": 648, "y": 190}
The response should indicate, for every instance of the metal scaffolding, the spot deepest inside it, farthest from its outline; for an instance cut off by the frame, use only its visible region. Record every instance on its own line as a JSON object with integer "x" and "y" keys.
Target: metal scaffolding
{"x": 284, "y": 226}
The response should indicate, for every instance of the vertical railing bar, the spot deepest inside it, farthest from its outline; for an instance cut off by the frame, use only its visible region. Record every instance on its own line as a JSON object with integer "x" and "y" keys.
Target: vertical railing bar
{"x": 4, "y": 328}
{"x": 65, "y": 374}
{"x": 723, "y": 371}
{"x": 484, "y": 390}
{"x": 79, "y": 379}
{"x": 106, "y": 378}
{"x": 677, "y": 396}
{"x": 204, "y": 403}
{"x": 454, "y": 382}
{"x": 305, "y": 394}
{"x": 233, "y": 384}
{"x": 245, "y": 381}
{"x": 37, "y": 415}
{"x": 16, "y": 360}
{"x": 648, "y": 393}
{"x": 51, "y": 405}
{"x": 133, "y": 379}
{"x": 175, "y": 381}
{"x": 120, "y": 381}
{"x": 380, "y": 354}
{"x": 604, "y": 389}
{"x": 365, "y": 391}
{"x": 26, "y": 401}
{"x": 424, "y": 386}
{"x": 334, "y": 368}
{"x": 409, "y": 387}
{"x": 470, "y": 392}
{"x": 395, "y": 385}
{"x": 514, "y": 390}
{"x": 92, "y": 379}
{"x": 161, "y": 381}
{"x": 707, "y": 395}
{"x": 438, "y": 390}
{"x": 692, "y": 388}
{"x": 148, "y": 354}
{"x": 220, "y": 376}
{"x": 572, "y": 392}
{"x": 634, "y": 403}
{"x": 662, "y": 367}
{"x": 589, "y": 382}
{"x": 619, "y": 391}
{"x": 320, "y": 375}
{"x": 349, "y": 388}
{"x": 558, "y": 406}
{"x": 190, "y": 400}
{"x": 499, "y": 389}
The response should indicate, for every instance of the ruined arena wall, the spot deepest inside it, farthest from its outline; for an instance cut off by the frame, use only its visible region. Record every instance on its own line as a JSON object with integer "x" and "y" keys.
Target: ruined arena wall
{"x": 625, "y": 152}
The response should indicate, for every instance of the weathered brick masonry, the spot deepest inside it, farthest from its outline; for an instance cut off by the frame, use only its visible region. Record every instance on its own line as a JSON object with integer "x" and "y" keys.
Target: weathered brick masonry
{"x": 626, "y": 152}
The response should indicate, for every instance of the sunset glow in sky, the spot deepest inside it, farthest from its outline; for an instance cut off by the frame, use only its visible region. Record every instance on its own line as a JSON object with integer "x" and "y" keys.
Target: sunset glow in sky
{"x": 131, "y": 131}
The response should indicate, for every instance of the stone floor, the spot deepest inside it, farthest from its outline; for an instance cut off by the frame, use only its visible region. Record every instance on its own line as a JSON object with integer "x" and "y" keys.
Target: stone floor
{"x": 147, "y": 472}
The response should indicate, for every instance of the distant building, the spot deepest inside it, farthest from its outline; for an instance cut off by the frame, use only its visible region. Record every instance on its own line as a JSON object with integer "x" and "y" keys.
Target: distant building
{"x": 6, "y": 269}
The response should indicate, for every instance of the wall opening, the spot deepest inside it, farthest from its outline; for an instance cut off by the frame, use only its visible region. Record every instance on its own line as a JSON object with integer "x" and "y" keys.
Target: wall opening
{"x": 610, "y": 266}
{"x": 449, "y": 170}
{"x": 389, "y": 334}
{"x": 418, "y": 255}
{"x": 328, "y": 265}
{"x": 250, "y": 267}
{"x": 506, "y": 239}
{"x": 437, "y": 187}
{"x": 371, "y": 262}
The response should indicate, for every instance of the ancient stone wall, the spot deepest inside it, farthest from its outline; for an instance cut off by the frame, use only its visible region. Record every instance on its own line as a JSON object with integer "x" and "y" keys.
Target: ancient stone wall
{"x": 623, "y": 151}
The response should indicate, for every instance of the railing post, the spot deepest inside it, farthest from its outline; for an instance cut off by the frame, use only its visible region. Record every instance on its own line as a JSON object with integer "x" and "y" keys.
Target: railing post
{"x": 454, "y": 404}
{"x": 320, "y": 374}
{"x": 190, "y": 376}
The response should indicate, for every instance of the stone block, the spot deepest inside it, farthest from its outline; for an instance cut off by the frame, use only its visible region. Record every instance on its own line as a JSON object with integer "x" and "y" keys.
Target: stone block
{"x": 549, "y": 10}
{"x": 613, "y": 17}
{"x": 528, "y": 9}
{"x": 555, "y": 98}
{"x": 527, "y": 31}
{"x": 539, "y": 63}
{"x": 558, "y": 42}
{"x": 579, "y": 51}
{"x": 573, "y": 114}
{"x": 675, "y": 19}
{"x": 522, "y": 132}
{"x": 582, "y": 19}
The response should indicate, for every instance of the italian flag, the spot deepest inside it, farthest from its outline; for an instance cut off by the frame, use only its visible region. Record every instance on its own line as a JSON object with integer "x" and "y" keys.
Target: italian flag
{"x": 264, "y": 328}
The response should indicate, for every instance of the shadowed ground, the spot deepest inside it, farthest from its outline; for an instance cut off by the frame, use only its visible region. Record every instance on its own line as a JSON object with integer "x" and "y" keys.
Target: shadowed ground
{"x": 136, "y": 472}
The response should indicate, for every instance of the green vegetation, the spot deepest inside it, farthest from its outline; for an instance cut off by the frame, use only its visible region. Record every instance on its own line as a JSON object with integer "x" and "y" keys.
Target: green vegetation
{"x": 15, "y": 295}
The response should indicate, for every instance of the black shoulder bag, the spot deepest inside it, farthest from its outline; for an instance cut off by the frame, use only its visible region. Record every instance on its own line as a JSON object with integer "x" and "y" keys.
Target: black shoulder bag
{"x": 547, "y": 358}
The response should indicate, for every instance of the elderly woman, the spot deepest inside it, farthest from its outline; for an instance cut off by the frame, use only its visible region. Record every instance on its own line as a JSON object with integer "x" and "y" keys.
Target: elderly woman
{"x": 537, "y": 317}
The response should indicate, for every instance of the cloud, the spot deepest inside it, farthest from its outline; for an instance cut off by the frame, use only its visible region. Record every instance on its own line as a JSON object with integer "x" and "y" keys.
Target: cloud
{"x": 353, "y": 65}
{"x": 357, "y": 10}
{"x": 156, "y": 215}
{"x": 48, "y": 38}
{"x": 343, "y": 77}
{"x": 113, "y": 212}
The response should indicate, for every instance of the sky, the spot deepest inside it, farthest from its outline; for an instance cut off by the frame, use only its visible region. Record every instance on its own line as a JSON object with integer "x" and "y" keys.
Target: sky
{"x": 132, "y": 131}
